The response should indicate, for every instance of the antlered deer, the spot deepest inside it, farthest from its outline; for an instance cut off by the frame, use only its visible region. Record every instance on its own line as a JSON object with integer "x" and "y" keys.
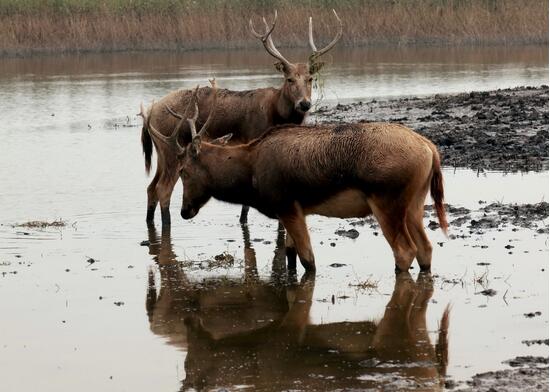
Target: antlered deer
{"x": 345, "y": 171}
{"x": 246, "y": 114}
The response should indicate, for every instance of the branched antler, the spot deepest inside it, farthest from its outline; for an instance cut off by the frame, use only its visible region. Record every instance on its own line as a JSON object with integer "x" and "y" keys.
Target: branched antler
{"x": 268, "y": 42}
{"x": 318, "y": 53}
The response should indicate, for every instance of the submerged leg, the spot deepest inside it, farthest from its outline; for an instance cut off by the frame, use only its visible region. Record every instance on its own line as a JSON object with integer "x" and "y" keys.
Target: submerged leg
{"x": 392, "y": 220}
{"x": 415, "y": 225}
{"x": 165, "y": 187}
{"x": 290, "y": 250}
{"x": 295, "y": 225}
{"x": 244, "y": 214}
{"x": 152, "y": 199}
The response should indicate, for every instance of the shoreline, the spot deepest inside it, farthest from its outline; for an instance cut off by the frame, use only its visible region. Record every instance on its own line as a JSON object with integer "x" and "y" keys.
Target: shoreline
{"x": 504, "y": 130}
{"x": 253, "y": 45}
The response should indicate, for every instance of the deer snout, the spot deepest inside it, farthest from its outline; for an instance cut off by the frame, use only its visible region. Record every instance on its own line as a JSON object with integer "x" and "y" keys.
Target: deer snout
{"x": 188, "y": 212}
{"x": 304, "y": 105}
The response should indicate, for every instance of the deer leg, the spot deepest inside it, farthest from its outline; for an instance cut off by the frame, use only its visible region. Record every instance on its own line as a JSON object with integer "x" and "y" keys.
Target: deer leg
{"x": 392, "y": 220}
{"x": 415, "y": 226}
{"x": 290, "y": 250}
{"x": 165, "y": 187}
{"x": 244, "y": 215}
{"x": 295, "y": 225}
{"x": 152, "y": 199}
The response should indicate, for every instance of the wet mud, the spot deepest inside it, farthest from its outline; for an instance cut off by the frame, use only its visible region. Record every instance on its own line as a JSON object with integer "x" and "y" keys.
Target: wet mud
{"x": 489, "y": 130}
{"x": 527, "y": 374}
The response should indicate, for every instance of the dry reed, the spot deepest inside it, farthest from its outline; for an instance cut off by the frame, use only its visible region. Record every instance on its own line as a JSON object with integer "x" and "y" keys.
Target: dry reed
{"x": 29, "y": 26}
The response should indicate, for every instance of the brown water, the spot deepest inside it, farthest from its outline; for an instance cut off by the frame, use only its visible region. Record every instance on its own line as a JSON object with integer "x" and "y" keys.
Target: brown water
{"x": 167, "y": 316}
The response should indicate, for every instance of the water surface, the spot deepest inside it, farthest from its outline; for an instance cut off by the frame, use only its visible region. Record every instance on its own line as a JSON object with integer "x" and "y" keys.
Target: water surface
{"x": 164, "y": 316}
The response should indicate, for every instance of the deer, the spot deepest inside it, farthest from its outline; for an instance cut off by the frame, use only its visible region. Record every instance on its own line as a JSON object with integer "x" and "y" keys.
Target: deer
{"x": 334, "y": 170}
{"x": 246, "y": 114}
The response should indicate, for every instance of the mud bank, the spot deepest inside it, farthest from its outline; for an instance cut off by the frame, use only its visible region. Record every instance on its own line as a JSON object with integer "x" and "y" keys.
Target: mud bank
{"x": 489, "y": 130}
{"x": 528, "y": 374}
{"x": 466, "y": 222}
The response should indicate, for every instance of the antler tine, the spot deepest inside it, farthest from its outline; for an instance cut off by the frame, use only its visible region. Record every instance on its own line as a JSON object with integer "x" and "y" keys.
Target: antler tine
{"x": 175, "y": 132}
{"x": 311, "y": 43}
{"x": 193, "y": 120}
{"x": 213, "y": 107}
{"x": 268, "y": 29}
{"x": 170, "y": 140}
{"x": 267, "y": 41}
{"x": 317, "y": 53}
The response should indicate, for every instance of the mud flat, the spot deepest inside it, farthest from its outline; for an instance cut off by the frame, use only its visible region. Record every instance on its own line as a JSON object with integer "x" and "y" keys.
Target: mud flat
{"x": 490, "y": 130}
{"x": 528, "y": 374}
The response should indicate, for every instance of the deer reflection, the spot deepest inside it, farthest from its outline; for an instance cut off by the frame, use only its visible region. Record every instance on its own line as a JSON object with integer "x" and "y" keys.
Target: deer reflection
{"x": 257, "y": 332}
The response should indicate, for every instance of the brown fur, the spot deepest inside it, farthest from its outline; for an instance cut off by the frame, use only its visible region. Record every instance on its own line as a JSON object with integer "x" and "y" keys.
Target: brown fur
{"x": 290, "y": 172}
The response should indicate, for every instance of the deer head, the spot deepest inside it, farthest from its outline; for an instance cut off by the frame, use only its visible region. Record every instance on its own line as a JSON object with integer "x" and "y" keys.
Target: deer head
{"x": 298, "y": 77}
{"x": 195, "y": 185}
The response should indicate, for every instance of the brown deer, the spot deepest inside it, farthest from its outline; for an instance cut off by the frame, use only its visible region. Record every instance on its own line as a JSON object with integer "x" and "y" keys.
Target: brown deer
{"x": 246, "y": 114}
{"x": 345, "y": 171}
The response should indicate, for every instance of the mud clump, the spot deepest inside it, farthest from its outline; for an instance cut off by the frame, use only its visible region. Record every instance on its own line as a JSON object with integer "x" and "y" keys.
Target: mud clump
{"x": 529, "y": 374}
{"x": 497, "y": 215}
{"x": 535, "y": 341}
{"x": 527, "y": 361}
{"x": 42, "y": 224}
{"x": 351, "y": 233}
{"x": 489, "y": 130}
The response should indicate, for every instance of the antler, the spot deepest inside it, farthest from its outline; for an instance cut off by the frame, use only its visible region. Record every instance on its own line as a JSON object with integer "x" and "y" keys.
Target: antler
{"x": 192, "y": 121}
{"x": 267, "y": 41}
{"x": 317, "y": 53}
{"x": 186, "y": 113}
{"x": 171, "y": 140}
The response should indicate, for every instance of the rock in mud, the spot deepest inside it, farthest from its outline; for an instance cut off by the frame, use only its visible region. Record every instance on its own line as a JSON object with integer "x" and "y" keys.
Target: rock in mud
{"x": 351, "y": 233}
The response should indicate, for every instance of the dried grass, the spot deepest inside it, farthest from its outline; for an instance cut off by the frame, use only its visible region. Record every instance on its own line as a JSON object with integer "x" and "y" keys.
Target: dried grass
{"x": 29, "y": 26}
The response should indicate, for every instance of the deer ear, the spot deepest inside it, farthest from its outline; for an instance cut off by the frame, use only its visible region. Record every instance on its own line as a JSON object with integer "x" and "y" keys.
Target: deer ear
{"x": 316, "y": 67}
{"x": 196, "y": 146}
{"x": 280, "y": 67}
{"x": 222, "y": 141}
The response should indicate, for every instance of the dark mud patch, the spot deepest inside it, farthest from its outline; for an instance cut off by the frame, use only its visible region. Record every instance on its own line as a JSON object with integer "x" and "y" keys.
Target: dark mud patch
{"x": 535, "y": 341}
{"x": 529, "y": 374}
{"x": 351, "y": 233}
{"x": 496, "y": 216}
{"x": 489, "y": 130}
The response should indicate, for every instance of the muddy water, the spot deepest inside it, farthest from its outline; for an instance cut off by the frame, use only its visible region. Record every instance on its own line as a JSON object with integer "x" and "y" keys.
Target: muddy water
{"x": 167, "y": 315}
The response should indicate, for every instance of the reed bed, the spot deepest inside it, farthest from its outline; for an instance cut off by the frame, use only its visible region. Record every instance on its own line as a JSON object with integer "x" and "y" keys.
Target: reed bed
{"x": 29, "y": 26}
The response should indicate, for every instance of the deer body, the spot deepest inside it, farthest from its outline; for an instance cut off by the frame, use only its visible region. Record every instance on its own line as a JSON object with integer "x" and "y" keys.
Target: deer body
{"x": 338, "y": 171}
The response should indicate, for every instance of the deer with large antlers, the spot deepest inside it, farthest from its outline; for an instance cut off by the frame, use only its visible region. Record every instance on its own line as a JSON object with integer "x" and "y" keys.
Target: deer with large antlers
{"x": 246, "y": 114}
{"x": 345, "y": 171}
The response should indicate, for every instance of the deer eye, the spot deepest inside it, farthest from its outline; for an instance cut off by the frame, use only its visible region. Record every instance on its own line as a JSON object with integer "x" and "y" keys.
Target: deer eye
{"x": 310, "y": 80}
{"x": 290, "y": 80}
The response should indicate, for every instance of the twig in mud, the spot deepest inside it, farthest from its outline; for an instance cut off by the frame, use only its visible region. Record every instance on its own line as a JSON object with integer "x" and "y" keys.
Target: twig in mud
{"x": 504, "y": 297}
{"x": 366, "y": 285}
{"x": 483, "y": 280}
{"x": 370, "y": 285}
{"x": 506, "y": 281}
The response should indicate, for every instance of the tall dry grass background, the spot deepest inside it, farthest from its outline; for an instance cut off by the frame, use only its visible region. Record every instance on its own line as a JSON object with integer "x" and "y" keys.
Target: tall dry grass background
{"x": 29, "y": 26}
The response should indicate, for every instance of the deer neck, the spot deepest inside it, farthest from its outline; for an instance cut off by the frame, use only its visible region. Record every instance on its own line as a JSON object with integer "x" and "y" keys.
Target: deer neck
{"x": 230, "y": 172}
{"x": 285, "y": 111}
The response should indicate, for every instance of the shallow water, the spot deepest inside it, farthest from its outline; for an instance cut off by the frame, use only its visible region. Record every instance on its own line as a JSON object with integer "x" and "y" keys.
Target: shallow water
{"x": 163, "y": 316}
